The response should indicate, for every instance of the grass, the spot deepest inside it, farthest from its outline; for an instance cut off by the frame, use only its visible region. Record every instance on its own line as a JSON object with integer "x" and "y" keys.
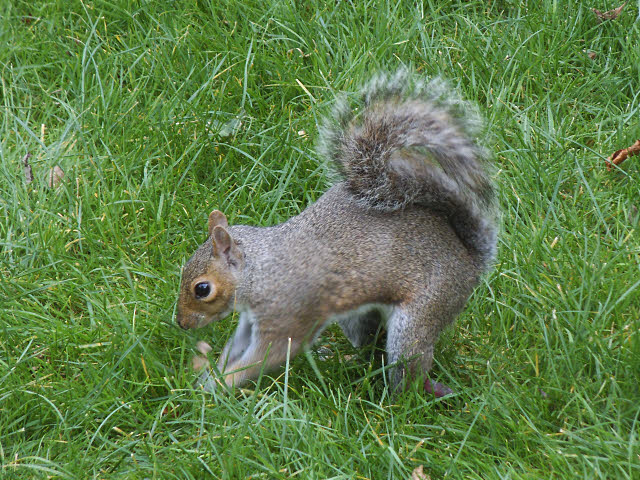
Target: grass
{"x": 160, "y": 111}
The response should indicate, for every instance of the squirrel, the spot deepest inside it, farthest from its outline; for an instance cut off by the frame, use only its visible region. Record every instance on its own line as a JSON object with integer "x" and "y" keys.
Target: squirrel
{"x": 400, "y": 240}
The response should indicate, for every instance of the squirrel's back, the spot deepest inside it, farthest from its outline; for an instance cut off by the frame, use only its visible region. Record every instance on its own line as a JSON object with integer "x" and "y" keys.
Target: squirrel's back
{"x": 407, "y": 142}
{"x": 337, "y": 255}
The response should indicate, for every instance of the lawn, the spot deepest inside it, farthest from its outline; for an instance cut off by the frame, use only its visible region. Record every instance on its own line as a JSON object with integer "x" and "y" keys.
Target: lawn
{"x": 160, "y": 111}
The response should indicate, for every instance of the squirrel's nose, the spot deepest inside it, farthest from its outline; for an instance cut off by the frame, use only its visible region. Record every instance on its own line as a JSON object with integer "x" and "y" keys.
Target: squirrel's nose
{"x": 180, "y": 322}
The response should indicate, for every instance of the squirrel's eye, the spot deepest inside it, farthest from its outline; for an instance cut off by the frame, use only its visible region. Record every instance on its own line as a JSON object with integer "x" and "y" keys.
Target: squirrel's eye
{"x": 202, "y": 290}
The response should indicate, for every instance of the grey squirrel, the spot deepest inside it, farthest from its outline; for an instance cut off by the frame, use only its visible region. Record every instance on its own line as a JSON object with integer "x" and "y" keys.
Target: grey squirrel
{"x": 403, "y": 238}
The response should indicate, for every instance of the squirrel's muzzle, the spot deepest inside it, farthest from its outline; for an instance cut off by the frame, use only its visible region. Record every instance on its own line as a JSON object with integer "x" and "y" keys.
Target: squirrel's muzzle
{"x": 185, "y": 321}
{"x": 181, "y": 324}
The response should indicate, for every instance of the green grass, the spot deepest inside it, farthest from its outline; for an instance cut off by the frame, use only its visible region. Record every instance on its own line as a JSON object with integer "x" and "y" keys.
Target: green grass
{"x": 159, "y": 111}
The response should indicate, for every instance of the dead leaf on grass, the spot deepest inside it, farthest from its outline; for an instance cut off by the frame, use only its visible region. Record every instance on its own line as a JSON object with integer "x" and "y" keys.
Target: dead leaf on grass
{"x": 28, "y": 173}
{"x": 418, "y": 474}
{"x": 55, "y": 177}
{"x": 619, "y": 156}
{"x": 608, "y": 15}
{"x": 226, "y": 129}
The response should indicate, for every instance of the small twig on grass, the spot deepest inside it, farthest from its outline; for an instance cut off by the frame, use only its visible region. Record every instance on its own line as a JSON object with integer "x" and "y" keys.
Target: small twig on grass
{"x": 619, "y": 156}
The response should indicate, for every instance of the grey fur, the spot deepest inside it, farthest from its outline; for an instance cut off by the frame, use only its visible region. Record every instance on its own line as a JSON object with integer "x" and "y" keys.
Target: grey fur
{"x": 408, "y": 232}
{"x": 406, "y": 142}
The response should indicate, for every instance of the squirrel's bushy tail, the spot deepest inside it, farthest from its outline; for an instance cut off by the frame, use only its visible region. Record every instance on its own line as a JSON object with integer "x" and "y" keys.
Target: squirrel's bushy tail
{"x": 412, "y": 142}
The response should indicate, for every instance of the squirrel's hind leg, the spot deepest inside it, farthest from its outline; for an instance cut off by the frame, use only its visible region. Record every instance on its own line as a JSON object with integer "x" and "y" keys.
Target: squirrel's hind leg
{"x": 411, "y": 334}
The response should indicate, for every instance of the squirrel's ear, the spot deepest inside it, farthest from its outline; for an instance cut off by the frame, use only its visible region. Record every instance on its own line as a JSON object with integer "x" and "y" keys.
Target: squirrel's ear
{"x": 217, "y": 218}
{"x": 224, "y": 246}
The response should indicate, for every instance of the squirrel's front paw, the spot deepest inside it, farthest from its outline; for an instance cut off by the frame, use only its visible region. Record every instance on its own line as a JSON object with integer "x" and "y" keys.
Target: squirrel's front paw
{"x": 201, "y": 362}
{"x": 206, "y": 381}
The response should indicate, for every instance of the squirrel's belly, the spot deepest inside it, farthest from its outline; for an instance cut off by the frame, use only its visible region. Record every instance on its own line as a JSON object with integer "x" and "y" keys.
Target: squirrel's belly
{"x": 384, "y": 310}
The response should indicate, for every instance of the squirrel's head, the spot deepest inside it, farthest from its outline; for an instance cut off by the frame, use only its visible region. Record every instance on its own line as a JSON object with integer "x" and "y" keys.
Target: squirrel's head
{"x": 210, "y": 277}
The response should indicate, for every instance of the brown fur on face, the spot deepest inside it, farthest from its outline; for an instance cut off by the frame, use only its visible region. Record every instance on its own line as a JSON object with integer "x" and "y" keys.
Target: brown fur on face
{"x": 223, "y": 258}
